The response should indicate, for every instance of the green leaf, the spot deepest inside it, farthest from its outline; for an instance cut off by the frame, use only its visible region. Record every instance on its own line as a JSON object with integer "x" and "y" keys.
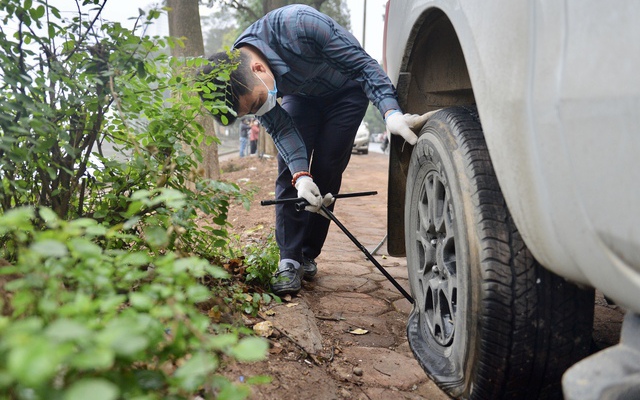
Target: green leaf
{"x": 217, "y": 272}
{"x": 18, "y": 218}
{"x": 192, "y": 374}
{"x": 112, "y": 303}
{"x": 66, "y": 329}
{"x": 51, "y": 31}
{"x": 135, "y": 259}
{"x": 85, "y": 248}
{"x": 49, "y": 216}
{"x": 156, "y": 236}
{"x": 250, "y": 349}
{"x": 141, "y": 301}
{"x": 233, "y": 392}
{"x": 92, "y": 388}
{"x": 223, "y": 341}
{"x": 34, "y": 362}
{"x": 93, "y": 358}
{"x": 198, "y": 293}
{"x": 150, "y": 380}
{"x": 123, "y": 336}
{"x": 49, "y": 248}
{"x": 259, "y": 380}
{"x": 36, "y": 13}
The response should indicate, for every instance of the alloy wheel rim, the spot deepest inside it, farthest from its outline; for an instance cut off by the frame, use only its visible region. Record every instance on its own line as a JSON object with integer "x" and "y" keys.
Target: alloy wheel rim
{"x": 436, "y": 250}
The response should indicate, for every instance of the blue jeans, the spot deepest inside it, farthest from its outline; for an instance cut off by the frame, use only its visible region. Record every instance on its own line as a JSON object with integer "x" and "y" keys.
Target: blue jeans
{"x": 328, "y": 126}
{"x": 243, "y": 146}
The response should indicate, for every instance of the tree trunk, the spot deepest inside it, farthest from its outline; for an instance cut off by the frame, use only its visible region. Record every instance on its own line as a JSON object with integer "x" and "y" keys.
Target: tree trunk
{"x": 270, "y": 5}
{"x": 184, "y": 22}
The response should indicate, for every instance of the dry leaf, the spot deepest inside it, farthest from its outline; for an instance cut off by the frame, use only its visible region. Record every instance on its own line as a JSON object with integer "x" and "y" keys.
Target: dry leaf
{"x": 287, "y": 297}
{"x": 359, "y": 331}
{"x": 254, "y": 229}
{"x": 269, "y": 312}
{"x": 215, "y": 315}
{"x": 292, "y": 305}
{"x": 276, "y": 349}
{"x": 264, "y": 328}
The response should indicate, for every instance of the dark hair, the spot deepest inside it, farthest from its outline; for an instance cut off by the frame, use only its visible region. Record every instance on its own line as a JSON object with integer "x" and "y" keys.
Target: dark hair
{"x": 228, "y": 87}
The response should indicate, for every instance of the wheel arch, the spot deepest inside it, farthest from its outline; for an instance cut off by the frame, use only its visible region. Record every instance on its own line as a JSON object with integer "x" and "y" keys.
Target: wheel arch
{"x": 433, "y": 75}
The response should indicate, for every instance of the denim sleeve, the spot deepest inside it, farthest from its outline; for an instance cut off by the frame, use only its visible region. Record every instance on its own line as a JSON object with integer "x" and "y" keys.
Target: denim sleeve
{"x": 287, "y": 139}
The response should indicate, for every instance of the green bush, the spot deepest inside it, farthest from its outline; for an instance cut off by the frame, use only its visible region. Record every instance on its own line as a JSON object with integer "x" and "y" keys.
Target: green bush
{"x": 108, "y": 269}
{"x": 123, "y": 324}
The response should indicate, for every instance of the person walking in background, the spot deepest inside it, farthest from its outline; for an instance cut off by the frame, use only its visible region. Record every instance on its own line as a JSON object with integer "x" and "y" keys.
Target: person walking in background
{"x": 244, "y": 135}
{"x": 254, "y": 134}
{"x": 326, "y": 80}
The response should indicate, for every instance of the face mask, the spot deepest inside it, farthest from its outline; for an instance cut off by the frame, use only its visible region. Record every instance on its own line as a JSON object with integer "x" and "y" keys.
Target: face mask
{"x": 271, "y": 98}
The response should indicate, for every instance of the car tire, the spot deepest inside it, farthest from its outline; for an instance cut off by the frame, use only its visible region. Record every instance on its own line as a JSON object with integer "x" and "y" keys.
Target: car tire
{"x": 489, "y": 322}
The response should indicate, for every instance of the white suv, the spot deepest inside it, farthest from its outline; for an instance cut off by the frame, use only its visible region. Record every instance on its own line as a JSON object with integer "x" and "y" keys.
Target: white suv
{"x": 522, "y": 194}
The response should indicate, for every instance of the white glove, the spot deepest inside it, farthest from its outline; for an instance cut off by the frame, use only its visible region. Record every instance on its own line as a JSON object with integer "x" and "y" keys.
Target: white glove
{"x": 327, "y": 200}
{"x": 308, "y": 190}
{"x": 397, "y": 125}
{"x": 403, "y": 125}
{"x": 417, "y": 121}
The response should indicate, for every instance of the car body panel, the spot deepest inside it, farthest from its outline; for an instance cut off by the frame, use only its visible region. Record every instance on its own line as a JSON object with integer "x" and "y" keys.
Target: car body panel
{"x": 557, "y": 88}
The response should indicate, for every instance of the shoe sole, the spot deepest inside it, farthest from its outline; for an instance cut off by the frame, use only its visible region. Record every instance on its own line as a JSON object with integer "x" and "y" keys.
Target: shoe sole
{"x": 285, "y": 291}
{"x": 290, "y": 289}
{"x": 308, "y": 276}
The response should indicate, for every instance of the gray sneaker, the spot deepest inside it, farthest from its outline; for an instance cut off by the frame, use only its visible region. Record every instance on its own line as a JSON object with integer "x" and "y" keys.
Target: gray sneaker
{"x": 310, "y": 268}
{"x": 288, "y": 279}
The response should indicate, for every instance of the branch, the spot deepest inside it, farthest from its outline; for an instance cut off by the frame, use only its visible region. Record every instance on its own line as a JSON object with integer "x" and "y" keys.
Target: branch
{"x": 89, "y": 28}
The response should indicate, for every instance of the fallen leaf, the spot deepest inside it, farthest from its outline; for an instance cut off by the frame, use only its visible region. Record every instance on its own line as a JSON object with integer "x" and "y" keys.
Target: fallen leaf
{"x": 292, "y": 305}
{"x": 287, "y": 297}
{"x": 254, "y": 229}
{"x": 264, "y": 328}
{"x": 215, "y": 315}
{"x": 269, "y": 312}
{"x": 359, "y": 331}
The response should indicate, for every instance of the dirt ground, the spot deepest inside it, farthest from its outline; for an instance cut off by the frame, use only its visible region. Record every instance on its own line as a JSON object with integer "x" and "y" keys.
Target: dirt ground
{"x": 343, "y": 336}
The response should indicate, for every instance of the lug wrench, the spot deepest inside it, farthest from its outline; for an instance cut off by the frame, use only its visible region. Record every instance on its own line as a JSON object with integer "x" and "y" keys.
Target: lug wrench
{"x": 300, "y": 203}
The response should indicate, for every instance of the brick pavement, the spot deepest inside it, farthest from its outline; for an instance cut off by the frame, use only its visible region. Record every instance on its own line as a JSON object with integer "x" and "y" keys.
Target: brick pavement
{"x": 349, "y": 292}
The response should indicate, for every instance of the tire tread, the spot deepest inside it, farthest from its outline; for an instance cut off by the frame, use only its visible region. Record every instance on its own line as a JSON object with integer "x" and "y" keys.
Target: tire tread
{"x": 530, "y": 332}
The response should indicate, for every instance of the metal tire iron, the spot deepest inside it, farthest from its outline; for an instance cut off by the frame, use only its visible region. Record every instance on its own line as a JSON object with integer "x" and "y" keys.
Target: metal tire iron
{"x": 300, "y": 204}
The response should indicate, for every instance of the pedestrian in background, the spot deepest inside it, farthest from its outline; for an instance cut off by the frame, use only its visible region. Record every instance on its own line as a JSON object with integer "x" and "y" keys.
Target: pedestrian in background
{"x": 254, "y": 134}
{"x": 244, "y": 135}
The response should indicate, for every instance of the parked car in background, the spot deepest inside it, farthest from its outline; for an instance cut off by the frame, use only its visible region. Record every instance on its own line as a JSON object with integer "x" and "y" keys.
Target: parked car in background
{"x": 361, "y": 142}
{"x": 522, "y": 194}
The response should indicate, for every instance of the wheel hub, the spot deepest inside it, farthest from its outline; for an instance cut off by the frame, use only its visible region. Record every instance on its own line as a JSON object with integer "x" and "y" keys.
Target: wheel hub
{"x": 437, "y": 258}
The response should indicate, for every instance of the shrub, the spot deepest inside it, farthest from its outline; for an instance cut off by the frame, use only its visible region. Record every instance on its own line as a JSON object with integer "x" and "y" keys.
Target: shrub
{"x": 106, "y": 261}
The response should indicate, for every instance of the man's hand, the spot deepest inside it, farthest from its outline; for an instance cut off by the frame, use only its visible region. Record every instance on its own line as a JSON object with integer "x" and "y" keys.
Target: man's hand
{"x": 308, "y": 190}
{"x": 327, "y": 200}
{"x": 417, "y": 121}
{"x": 397, "y": 125}
{"x": 406, "y": 125}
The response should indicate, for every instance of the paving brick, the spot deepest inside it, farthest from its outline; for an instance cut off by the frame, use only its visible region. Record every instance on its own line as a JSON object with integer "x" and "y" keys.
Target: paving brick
{"x": 346, "y": 283}
{"x": 350, "y": 302}
{"x": 384, "y": 368}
